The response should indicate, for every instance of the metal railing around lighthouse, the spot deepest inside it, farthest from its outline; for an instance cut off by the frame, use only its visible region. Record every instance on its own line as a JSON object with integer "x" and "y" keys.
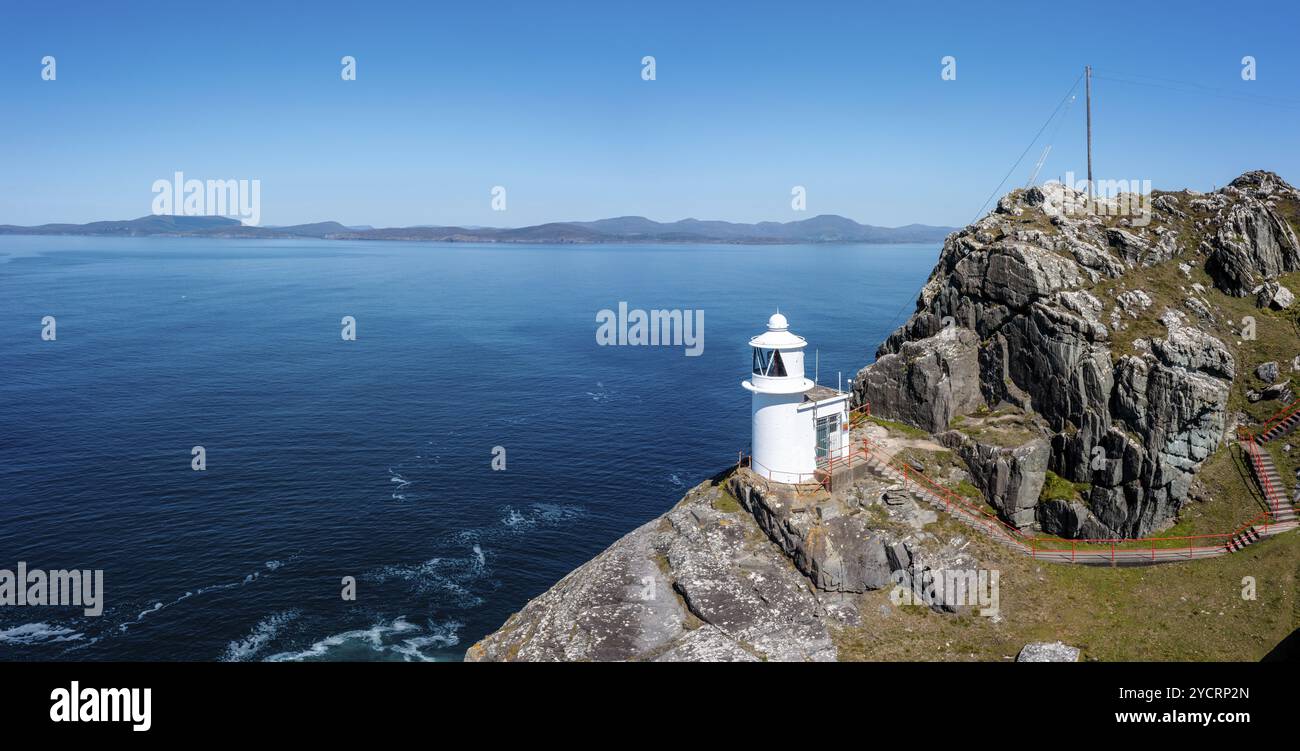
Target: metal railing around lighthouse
{"x": 827, "y": 466}
{"x": 804, "y": 481}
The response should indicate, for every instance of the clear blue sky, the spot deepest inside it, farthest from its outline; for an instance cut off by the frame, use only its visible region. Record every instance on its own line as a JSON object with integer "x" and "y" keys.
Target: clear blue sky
{"x": 546, "y": 99}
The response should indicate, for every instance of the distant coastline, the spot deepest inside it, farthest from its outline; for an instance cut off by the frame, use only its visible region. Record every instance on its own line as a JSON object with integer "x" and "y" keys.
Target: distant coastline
{"x": 826, "y": 228}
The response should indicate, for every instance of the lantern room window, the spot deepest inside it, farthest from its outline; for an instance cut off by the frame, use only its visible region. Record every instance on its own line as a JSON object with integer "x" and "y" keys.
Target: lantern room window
{"x": 767, "y": 362}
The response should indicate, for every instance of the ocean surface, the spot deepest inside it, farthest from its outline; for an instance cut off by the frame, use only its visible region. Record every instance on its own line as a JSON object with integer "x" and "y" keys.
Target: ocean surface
{"x": 370, "y": 458}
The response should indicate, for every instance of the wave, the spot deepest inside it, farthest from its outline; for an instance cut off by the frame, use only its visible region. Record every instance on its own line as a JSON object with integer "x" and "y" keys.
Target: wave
{"x": 160, "y": 605}
{"x": 605, "y": 394}
{"x": 538, "y": 514}
{"x": 261, "y": 635}
{"x": 441, "y": 574}
{"x": 38, "y": 633}
{"x": 396, "y": 638}
{"x": 514, "y": 520}
{"x": 400, "y": 482}
{"x": 439, "y": 637}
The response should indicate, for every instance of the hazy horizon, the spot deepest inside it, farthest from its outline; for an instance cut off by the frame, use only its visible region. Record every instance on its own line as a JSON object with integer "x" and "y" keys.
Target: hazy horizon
{"x": 463, "y": 225}
{"x": 551, "y": 104}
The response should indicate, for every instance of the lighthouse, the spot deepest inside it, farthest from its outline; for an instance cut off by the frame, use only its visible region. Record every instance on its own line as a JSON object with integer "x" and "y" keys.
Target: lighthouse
{"x": 798, "y": 426}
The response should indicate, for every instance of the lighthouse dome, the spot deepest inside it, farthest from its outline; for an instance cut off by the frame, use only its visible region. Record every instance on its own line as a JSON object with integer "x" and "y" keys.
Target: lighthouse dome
{"x": 778, "y": 335}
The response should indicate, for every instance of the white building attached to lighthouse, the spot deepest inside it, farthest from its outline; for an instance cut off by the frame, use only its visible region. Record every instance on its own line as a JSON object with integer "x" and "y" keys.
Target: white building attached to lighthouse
{"x": 798, "y": 426}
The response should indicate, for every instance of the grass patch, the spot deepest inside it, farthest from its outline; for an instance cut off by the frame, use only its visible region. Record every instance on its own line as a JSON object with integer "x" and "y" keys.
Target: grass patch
{"x": 900, "y": 428}
{"x": 725, "y": 502}
{"x": 1008, "y": 431}
{"x": 946, "y": 469}
{"x": 1189, "y": 611}
{"x": 1233, "y": 496}
{"x": 1057, "y": 488}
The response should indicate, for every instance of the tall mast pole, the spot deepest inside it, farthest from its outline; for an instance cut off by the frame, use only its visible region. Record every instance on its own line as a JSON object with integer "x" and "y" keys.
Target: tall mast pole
{"x": 1087, "y": 70}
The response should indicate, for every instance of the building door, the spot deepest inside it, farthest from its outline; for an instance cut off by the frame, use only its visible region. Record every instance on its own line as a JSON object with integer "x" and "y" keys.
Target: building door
{"x": 827, "y": 432}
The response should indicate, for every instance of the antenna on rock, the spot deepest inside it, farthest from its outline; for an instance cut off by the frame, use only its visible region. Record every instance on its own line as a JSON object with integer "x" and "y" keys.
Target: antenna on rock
{"x": 1087, "y": 73}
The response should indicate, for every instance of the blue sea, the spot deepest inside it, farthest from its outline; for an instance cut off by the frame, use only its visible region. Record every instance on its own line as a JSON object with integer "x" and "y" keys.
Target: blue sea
{"x": 371, "y": 458}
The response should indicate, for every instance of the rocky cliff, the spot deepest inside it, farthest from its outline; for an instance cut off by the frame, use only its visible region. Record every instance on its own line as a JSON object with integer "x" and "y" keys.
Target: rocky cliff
{"x": 1120, "y": 330}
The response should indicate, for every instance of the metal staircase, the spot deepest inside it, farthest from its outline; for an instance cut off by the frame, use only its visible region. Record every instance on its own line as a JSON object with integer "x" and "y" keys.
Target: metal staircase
{"x": 1280, "y": 510}
{"x": 1281, "y": 424}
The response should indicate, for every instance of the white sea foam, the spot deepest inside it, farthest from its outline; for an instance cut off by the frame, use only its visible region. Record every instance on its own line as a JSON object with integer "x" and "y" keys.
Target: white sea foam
{"x": 604, "y": 394}
{"x": 441, "y": 575}
{"x": 400, "y": 484}
{"x": 261, "y": 635}
{"x": 38, "y": 633}
{"x": 439, "y": 636}
{"x": 383, "y": 637}
{"x": 538, "y": 514}
{"x": 515, "y": 520}
{"x": 160, "y": 605}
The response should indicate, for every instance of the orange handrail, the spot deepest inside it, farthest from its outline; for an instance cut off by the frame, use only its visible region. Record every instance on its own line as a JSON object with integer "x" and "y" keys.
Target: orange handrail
{"x": 1286, "y": 411}
{"x": 1271, "y": 494}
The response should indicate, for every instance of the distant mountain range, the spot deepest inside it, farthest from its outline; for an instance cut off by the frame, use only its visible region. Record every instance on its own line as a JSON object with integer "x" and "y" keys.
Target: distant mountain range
{"x": 826, "y": 228}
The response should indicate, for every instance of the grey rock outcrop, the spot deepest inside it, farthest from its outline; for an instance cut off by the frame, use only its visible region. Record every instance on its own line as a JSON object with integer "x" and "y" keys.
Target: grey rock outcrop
{"x": 1072, "y": 519}
{"x": 1010, "y": 478}
{"x": 1169, "y": 413}
{"x": 1252, "y": 242}
{"x": 1133, "y": 302}
{"x": 927, "y": 382}
{"x": 1048, "y": 651}
{"x": 837, "y": 549}
{"x": 1273, "y": 391}
{"x": 1134, "y": 421}
{"x": 843, "y": 548}
{"x": 1273, "y": 295}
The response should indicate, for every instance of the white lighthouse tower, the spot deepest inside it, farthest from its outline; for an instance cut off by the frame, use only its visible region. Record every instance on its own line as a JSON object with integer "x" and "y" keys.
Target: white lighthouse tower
{"x": 797, "y": 425}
